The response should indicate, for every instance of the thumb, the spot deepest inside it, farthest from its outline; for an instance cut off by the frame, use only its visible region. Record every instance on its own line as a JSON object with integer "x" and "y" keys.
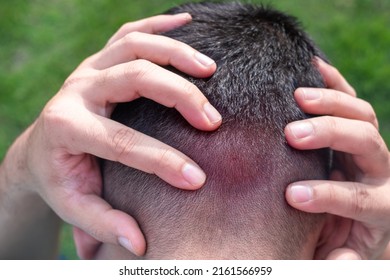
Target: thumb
{"x": 97, "y": 221}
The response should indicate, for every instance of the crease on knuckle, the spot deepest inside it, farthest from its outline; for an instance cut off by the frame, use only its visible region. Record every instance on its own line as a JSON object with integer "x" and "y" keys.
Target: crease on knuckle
{"x": 72, "y": 81}
{"x": 335, "y": 101}
{"x": 373, "y": 140}
{"x": 177, "y": 46}
{"x": 331, "y": 194}
{"x": 124, "y": 141}
{"x": 359, "y": 200}
{"x": 141, "y": 69}
{"x": 165, "y": 159}
{"x": 78, "y": 80}
{"x": 130, "y": 39}
{"x": 330, "y": 128}
{"x": 103, "y": 78}
{"x": 54, "y": 117}
{"x": 371, "y": 117}
{"x": 127, "y": 28}
{"x": 338, "y": 97}
{"x": 189, "y": 90}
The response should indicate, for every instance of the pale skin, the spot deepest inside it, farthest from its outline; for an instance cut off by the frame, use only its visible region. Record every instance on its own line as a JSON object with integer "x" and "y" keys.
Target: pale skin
{"x": 52, "y": 165}
{"x": 358, "y": 195}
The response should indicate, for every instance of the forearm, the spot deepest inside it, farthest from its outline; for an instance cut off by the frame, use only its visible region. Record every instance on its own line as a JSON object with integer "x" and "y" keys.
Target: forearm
{"x": 29, "y": 229}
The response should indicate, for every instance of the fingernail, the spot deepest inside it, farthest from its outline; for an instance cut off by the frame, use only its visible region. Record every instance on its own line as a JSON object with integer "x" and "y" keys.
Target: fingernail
{"x": 186, "y": 16}
{"x": 212, "y": 114}
{"x": 203, "y": 59}
{"x": 125, "y": 243}
{"x": 300, "y": 194}
{"x": 310, "y": 94}
{"x": 301, "y": 129}
{"x": 316, "y": 60}
{"x": 193, "y": 174}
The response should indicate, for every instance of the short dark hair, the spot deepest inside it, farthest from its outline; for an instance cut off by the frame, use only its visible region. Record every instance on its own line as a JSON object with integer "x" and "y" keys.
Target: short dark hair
{"x": 262, "y": 57}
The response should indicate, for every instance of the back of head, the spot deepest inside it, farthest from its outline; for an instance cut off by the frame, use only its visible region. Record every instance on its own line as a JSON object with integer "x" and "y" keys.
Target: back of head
{"x": 240, "y": 213}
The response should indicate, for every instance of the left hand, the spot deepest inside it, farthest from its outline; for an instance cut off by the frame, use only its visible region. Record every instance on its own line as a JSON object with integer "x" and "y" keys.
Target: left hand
{"x": 359, "y": 190}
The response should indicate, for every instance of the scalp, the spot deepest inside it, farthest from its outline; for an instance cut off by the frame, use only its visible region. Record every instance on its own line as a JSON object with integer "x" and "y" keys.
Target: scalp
{"x": 262, "y": 57}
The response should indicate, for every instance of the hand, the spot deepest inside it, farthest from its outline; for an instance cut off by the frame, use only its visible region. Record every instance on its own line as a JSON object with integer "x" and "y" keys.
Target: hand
{"x": 360, "y": 190}
{"x": 74, "y": 127}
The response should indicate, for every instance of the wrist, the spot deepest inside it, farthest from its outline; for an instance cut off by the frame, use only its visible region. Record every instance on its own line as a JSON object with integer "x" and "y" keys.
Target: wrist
{"x": 15, "y": 176}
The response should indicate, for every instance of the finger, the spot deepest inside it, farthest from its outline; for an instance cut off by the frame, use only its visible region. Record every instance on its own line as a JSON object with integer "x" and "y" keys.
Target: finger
{"x": 142, "y": 78}
{"x": 153, "y": 25}
{"x": 116, "y": 142}
{"x": 343, "y": 254}
{"x": 157, "y": 49}
{"x": 96, "y": 217}
{"x": 350, "y": 200}
{"x": 335, "y": 103}
{"x": 333, "y": 79}
{"x": 343, "y": 135}
{"x": 86, "y": 245}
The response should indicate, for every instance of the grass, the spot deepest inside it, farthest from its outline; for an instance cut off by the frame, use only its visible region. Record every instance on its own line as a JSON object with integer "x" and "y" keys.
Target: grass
{"x": 43, "y": 41}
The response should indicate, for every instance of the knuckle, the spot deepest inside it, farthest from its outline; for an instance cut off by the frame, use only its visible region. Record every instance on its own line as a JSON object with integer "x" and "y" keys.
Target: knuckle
{"x": 359, "y": 201}
{"x": 331, "y": 193}
{"x": 336, "y": 100}
{"x": 76, "y": 81}
{"x": 141, "y": 68}
{"x": 54, "y": 116}
{"x": 126, "y": 28}
{"x": 177, "y": 45}
{"x": 165, "y": 159}
{"x": 96, "y": 232}
{"x": 373, "y": 140}
{"x": 131, "y": 38}
{"x": 124, "y": 141}
{"x": 189, "y": 90}
{"x": 330, "y": 124}
{"x": 337, "y": 97}
{"x": 371, "y": 115}
{"x": 103, "y": 78}
{"x": 72, "y": 81}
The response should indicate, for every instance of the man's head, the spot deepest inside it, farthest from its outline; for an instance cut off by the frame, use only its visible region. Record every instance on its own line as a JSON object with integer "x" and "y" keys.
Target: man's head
{"x": 240, "y": 213}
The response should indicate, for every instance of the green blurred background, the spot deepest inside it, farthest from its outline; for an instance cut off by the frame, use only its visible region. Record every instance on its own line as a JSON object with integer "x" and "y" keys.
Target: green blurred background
{"x": 42, "y": 41}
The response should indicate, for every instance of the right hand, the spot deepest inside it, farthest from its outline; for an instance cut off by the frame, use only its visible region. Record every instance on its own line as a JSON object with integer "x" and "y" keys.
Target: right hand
{"x": 74, "y": 127}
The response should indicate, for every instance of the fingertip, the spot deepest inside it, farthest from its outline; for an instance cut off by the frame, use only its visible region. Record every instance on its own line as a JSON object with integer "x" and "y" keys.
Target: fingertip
{"x": 302, "y": 196}
{"x": 187, "y": 18}
{"x": 204, "y": 66}
{"x": 213, "y": 116}
{"x": 299, "y": 193}
{"x": 203, "y": 117}
{"x": 299, "y": 133}
{"x": 204, "y": 60}
{"x": 130, "y": 235}
{"x": 194, "y": 176}
{"x": 343, "y": 254}
{"x": 133, "y": 246}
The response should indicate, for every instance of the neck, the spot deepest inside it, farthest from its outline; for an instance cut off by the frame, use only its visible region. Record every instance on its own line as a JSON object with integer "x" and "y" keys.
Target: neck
{"x": 109, "y": 251}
